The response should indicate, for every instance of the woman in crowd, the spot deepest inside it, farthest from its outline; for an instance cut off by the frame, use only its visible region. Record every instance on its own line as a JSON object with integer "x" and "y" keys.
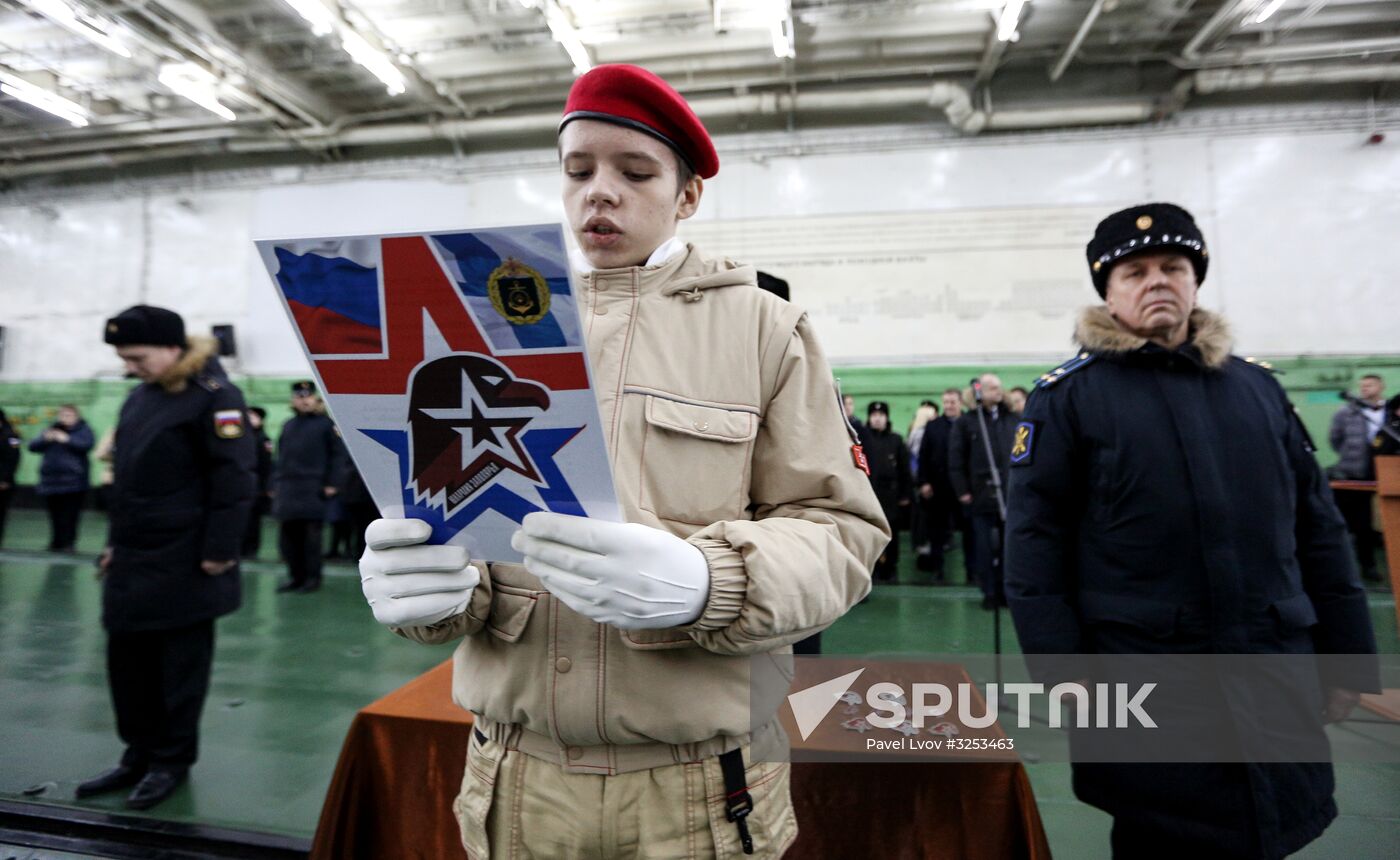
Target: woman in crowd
{"x": 63, "y": 474}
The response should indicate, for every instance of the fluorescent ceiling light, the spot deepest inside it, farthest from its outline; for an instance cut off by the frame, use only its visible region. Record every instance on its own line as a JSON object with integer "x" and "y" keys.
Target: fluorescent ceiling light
{"x": 562, "y": 29}
{"x": 1268, "y": 11}
{"x": 45, "y": 100}
{"x": 320, "y": 18}
{"x": 98, "y": 31}
{"x": 782, "y": 28}
{"x": 784, "y": 43}
{"x": 565, "y": 34}
{"x": 191, "y": 81}
{"x": 375, "y": 60}
{"x": 1010, "y": 17}
{"x": 324, "y": 21}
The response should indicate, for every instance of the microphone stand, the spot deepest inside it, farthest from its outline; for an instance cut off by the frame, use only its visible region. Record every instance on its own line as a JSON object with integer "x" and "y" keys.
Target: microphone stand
{"x": 996, "y": 547}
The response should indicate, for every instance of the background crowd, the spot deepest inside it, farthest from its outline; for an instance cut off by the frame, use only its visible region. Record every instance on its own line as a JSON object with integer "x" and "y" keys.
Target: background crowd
{"x": 939, "y": 483}
{"x": 306, "y": 482}
{"x": 936, "y": 482}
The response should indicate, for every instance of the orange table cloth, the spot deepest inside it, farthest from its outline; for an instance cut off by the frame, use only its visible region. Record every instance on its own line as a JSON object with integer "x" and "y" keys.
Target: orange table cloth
{"x": 402, "y": 762}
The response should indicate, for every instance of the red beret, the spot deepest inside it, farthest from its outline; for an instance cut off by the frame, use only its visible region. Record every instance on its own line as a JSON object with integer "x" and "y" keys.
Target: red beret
{"x": 634, "y": 98}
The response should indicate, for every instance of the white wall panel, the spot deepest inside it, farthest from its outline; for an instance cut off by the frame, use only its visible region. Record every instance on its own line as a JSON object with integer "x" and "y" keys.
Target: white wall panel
{"x": 1301, "y": 227}
{"x": 61, "y": 267}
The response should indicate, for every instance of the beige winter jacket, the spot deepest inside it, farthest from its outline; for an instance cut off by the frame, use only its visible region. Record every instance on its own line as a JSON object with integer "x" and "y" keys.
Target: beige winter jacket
{"x": 723, "y": 428}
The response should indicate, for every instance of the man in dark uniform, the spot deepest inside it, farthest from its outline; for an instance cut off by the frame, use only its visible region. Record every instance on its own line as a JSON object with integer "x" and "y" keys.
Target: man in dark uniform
{"x": 252, "y": 536}
{"x": 1164, "y": 498}
{"x": 10, "y": 445}
{"x": 308, "y": 472}
{"x": 1387, "y": 441}
{"x": 975, "y": 478}
{"x": 848, "y": 405}
{"x": 360, "y": 509}
{"x": 890, "y": 478}
{"x": 183, "y": 484}
{"x": 935, "y": 489}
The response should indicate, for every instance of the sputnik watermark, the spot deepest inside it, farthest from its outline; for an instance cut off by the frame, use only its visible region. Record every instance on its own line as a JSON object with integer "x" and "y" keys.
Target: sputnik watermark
{"x": 1099, "y": 706}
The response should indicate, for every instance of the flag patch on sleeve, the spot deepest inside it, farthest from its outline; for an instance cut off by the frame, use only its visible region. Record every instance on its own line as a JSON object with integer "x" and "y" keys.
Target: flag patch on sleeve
{"x": 228, "y": 423}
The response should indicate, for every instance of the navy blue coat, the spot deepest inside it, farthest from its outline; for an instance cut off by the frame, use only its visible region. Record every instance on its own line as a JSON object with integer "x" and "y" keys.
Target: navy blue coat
{"x": 1169, "y": 502}
{"x": 184, "y": 480}
{"x": 310, "y": 457}
{"x": 933, "y": 455}
{"x": 64, "y": 468}
{"x": 889, "y": 471}
{"x": 968, "y": 468}
{"x": 10, "y": 444}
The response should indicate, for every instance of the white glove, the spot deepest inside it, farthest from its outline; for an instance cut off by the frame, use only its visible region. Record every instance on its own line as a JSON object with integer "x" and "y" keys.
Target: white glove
{"x": 408, "y": 585}
{"x": 624, "y": 574}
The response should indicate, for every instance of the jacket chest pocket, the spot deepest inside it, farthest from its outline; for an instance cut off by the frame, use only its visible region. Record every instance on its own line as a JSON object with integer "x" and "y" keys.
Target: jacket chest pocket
{"x": 695, "y": 461}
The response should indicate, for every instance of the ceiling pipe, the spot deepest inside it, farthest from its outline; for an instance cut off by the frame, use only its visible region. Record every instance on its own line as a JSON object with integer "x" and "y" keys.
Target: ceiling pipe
{"x": 1299, "y": 53}
{"x": 956, "y": 104}
{"x": 98, "y": 161}
{"x": 952, "y": 99}
{"x": 1105, "y": 114}
{"x": 1233, "y": 80}
{"x": 1192, "y": 56}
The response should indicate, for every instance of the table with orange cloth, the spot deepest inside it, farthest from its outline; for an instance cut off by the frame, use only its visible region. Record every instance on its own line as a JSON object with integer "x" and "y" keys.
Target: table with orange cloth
{"x": 1386, "y": 489}
{"x": 402, "y": 762}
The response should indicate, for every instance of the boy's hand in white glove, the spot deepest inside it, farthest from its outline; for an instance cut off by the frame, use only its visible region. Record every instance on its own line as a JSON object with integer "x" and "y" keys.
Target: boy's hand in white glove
{"x": 624, "y": 574}
{"x": 409, "y": 584}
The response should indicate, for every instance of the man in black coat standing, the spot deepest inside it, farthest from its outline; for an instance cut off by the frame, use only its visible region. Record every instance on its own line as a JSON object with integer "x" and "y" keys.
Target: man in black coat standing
{"x": 935, "y": 488}
{"x": 975, "y": 479}
{"x": 1165, "y": 499}
{"x": 252, "y": 535}
{"x": 10, "y": 445}
{"x": 183, "y": 485}
{"x": 889, "y": 476}
{"x": 309, "y": 470}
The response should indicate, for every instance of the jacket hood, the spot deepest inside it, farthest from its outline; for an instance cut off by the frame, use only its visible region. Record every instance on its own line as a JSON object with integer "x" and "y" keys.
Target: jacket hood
{"x": 1097, "y": 331}
{"x": 699, "y": 272}
{"x": 200, "y": 350}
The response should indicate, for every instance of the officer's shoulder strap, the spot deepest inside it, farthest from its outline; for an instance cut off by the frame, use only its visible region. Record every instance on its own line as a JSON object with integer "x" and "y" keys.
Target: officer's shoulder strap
{"x": 1258, "y": 364}
{"x": 208, "y": 382}
{"x": 1081, "y": 360}
{"x": 1270, "y": 372}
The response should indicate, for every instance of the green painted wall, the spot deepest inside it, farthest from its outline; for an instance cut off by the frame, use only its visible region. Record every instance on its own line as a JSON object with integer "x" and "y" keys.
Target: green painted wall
{"x": 31, "y": 406}
{"x": 1313, "y": 384}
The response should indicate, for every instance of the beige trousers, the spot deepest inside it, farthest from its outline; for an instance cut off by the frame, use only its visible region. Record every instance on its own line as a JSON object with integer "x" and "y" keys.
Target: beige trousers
{"x": 516, "y": 807}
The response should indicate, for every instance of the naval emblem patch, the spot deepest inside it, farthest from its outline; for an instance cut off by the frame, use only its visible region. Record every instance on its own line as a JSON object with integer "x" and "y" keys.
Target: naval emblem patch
{"x": 518, "y": 293}
{"x": 1023, "y": 443}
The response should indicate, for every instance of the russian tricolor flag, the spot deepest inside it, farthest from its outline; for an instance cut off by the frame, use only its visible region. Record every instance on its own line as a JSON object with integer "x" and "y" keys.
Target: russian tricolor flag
{"x": 334, "y": 299}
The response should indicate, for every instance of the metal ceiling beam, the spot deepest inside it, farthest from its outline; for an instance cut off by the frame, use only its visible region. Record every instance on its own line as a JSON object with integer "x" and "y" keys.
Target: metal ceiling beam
{"x": 1073, "y": 47}
{"x": 187, "y": 28}
{"x": 1227, "y": 12}
{"x": 991, "y": 58}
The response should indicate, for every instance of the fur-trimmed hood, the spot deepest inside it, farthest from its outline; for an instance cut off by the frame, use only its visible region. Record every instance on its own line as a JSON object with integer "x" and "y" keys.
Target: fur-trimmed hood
{"x": 199, "y": 349}
{"x": 1097, "y": 331}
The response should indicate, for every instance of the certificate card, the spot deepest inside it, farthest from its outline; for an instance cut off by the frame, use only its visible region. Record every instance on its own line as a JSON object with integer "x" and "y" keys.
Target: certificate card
{"x": 455, "y": 368}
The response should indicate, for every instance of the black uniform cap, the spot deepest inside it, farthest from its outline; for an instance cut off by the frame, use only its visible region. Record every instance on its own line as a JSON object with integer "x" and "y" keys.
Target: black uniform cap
{"x": 1148, "y": 227}
{"x": 145, "y": 325}
{"x": 877, "y": 406}
{"x": 303, "y": 388}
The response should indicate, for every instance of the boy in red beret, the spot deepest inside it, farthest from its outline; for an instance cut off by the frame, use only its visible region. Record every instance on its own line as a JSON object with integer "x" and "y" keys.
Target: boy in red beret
{"x": 609, "y": 674}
